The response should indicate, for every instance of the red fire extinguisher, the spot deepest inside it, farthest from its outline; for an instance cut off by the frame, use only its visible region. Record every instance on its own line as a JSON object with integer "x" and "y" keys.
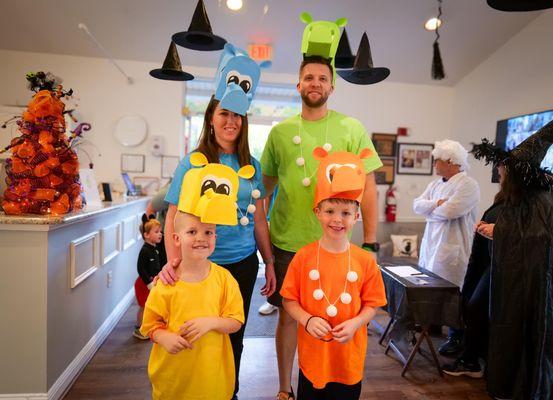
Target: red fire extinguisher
{"x": 391, "y": 204}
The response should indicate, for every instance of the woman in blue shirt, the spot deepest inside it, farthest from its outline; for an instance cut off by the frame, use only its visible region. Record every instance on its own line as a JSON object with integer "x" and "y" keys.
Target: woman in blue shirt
{"x": 224, "y": 139}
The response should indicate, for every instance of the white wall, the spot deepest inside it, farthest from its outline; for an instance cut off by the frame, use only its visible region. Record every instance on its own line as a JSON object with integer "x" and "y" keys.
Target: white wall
{"x": 425, "y": 110}
{"x": 516, "y": 79}
{"x": 105, "y": 96}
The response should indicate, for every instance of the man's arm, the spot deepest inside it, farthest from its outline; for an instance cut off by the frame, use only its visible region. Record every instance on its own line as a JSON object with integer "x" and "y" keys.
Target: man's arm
{"x": 369, "y": 209}
{"x": 460, "y": 203}
{"x": 269, "y": 182}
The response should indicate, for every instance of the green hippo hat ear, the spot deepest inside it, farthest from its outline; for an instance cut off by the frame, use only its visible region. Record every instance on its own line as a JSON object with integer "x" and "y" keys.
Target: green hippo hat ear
{"x": 321, "y": 38}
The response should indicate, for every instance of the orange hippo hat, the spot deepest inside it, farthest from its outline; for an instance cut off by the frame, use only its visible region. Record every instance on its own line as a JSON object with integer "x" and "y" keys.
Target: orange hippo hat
{"x": 340, "y": 175}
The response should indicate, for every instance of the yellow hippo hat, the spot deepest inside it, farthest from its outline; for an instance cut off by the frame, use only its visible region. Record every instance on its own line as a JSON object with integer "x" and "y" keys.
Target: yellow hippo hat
{"x": 211, "y": 192}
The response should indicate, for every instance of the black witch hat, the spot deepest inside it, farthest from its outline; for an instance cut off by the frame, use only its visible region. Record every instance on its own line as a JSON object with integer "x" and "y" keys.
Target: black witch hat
{"x": 525, "y": 159}
{"x": 520, "y": 5}
{"x": 171, "y": 69}
{"x": 344, "y": 58}
{"x": 363, "y": 72}
{"x": 199, "y": 35}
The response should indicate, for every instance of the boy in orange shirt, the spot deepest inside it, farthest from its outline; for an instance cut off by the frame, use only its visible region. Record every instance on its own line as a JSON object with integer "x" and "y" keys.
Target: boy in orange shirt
{"x": 333, "y": 287}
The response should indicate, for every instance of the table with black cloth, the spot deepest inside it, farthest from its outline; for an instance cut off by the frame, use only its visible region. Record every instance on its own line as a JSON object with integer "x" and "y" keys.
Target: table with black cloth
{"x": 412, "y": 304}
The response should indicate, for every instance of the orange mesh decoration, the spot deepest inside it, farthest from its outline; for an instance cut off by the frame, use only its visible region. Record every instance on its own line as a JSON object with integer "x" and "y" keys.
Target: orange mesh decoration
{"x": 43, "y": 170}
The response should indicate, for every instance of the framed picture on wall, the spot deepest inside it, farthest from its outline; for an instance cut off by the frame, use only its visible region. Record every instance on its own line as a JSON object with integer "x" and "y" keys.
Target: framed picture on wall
{"x": 168, "y": 166}
{"x": 385, "y": 144}
{"x": 132, "y": 162}
{"x": 385, "y": 175}
{"x": 414, "y": 158}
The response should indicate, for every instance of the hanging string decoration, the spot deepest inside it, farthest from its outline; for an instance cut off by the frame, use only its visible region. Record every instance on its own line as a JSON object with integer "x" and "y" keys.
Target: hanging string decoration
{"x": 43, "y": 169}
{"x": 437, "y": 64}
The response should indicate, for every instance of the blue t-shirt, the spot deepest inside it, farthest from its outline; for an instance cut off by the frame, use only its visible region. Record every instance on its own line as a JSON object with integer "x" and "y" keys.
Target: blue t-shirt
{"x": 234, "y": 243}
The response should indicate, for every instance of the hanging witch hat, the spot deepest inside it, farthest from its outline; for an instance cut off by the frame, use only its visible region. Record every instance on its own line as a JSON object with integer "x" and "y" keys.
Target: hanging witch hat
{"x": 525, "y": 159}
{"x": 438, "y": 72}
{"x": 199, "y": 35}
{"x": 518, "y": 5}
{"x": 363, "y": 72}
{"x": 344, "y": 58}
{"x": 171, "y": 69}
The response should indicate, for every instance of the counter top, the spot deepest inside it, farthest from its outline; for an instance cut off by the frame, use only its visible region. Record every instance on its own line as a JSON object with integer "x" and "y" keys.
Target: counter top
{"x": 85, "y": 212}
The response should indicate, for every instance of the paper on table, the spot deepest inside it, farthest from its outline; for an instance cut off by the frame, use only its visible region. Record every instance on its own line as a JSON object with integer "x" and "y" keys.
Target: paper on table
{"x": 403, "y": 270}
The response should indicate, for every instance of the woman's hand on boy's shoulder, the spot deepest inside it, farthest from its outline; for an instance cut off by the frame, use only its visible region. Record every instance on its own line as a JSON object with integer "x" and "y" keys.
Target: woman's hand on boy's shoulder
{"x": 171, "y": 342}
{"x": 168, "y": 274}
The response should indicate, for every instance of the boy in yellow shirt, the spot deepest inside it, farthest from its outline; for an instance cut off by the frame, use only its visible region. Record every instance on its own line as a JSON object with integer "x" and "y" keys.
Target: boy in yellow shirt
{"x": 189, "y": 322}
{"x": 332, "y": 287}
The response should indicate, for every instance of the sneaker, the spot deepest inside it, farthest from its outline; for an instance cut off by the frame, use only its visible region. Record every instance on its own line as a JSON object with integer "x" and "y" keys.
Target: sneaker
{"x": 139, "y": 335}
{"x": 453, "y": 345}
{"x": 285, "y": 396}
{"x": 461, "y": 367}
{"x": 267, "y": 308}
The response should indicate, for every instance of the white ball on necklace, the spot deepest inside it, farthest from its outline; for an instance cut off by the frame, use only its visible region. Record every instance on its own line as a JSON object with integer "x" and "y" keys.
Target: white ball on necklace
{"x": 345, "y": 298}
{"x": 296, "y": 139}
{"x": 251, "y": 208}
{"x": 256, "y": 194}
{"x": 306, "y": 182}
{"x": 352, "y": 276}
{"x": 318, "y": 294}
{"x": 314, "y": 275}
{"x": 331, "y": 311}
{"x": 244, "y": 221}
{"x": 327, "y": 146}
{"x": 300, "y": 161}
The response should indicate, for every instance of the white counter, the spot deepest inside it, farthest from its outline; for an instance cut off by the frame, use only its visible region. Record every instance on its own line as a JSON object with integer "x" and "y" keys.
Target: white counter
{"x": 65, "y": 281}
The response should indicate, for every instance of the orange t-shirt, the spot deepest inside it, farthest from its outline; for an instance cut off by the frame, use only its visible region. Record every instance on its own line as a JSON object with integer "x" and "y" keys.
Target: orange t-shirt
{"x": 323, "y": 362}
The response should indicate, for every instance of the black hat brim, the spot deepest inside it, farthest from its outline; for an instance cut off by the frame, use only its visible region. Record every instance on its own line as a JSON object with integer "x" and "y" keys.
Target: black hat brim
{"x": 365, "y": 76}
{"x": 517, "y": 5}
{"x": 170, "y": 75}
{"x": 198, "y": 40}
{"x": 344, "y": 62}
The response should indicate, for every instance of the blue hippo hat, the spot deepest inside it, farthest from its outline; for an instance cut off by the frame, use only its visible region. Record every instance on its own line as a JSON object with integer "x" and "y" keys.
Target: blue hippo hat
{"x": 236, "y": 79}
{"x": 321, "y": 38}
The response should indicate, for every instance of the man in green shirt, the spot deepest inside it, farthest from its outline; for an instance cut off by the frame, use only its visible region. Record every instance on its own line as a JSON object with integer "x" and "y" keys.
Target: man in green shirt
{"x": 288, "y": 161}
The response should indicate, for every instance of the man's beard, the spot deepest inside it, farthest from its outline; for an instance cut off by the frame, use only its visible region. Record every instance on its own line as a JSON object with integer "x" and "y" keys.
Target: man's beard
{"x": 314, "y": 104}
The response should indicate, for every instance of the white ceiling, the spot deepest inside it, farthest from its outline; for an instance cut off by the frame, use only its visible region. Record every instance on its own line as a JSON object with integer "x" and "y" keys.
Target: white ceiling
{"x": 141, "y": 30}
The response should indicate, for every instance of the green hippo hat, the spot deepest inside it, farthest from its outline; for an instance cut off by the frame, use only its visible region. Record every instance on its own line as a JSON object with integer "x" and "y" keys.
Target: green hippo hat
{"x": 321, "y": 38}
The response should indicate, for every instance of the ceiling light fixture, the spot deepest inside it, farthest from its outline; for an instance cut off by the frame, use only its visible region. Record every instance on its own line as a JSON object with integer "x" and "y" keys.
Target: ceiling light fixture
{"x": 432, "y": 24}
{"x": 234, "y": 5}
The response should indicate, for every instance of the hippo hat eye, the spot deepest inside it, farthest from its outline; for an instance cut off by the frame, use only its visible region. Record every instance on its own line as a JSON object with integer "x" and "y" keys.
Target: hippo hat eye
{"x": 208, "y": 184}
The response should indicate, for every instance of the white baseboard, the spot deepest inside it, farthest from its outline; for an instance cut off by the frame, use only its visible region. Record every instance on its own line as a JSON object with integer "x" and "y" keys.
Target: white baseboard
{"x": 73, "y": 370}
{"x": 24, "y": 396}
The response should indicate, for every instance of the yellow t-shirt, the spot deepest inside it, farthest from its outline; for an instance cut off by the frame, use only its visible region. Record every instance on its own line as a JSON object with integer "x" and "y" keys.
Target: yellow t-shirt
{"x": 205, "y": 372}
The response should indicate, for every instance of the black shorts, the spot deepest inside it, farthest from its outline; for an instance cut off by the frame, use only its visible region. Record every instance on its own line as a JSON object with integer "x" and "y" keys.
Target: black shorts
{"x": 282, "y": 260}
{"x": 332, "y": 390}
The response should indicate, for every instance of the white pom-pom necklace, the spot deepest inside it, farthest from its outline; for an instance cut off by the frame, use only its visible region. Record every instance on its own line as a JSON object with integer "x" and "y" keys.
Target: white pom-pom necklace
{"x": 300, "y": 161}
{"x": 319, "y": 294}
{"x": 250, "y": 209}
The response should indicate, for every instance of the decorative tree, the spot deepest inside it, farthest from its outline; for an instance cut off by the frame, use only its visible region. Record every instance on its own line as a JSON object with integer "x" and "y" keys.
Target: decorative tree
{"x": 43, "y": 170}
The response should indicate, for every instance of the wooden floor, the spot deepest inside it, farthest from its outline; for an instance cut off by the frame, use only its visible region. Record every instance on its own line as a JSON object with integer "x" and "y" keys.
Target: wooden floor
{"x": 118, "y": 371}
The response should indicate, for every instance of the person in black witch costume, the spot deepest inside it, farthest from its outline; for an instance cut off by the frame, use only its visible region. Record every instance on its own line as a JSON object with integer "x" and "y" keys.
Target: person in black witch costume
{"x": 520, "y": 357}
{"x": 475, "y": 293}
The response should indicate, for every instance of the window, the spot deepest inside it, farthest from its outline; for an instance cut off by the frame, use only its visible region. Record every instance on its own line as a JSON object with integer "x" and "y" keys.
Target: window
{"x": 272, "y": 104}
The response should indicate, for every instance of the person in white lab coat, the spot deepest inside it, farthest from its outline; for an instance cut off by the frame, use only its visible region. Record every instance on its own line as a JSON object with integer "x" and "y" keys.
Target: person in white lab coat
{"x": 450, "y": 205}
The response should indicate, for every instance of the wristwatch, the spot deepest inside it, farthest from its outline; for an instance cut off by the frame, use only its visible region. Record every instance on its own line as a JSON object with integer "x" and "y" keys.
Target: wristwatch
{"x": 374, "y": 247}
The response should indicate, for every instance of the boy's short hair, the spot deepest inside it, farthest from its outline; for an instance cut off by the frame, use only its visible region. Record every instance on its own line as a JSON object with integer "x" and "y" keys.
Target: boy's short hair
{"x": 180, "y": 217}
{"x": 338, "y": 201}
{"x": 147, "y": 226}
{"x": 317, "y": 60}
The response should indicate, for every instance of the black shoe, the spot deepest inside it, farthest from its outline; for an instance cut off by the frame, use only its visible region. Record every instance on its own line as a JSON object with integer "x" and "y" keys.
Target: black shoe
{"x": 453, "y": 345}
{"x": 461, "y": 367}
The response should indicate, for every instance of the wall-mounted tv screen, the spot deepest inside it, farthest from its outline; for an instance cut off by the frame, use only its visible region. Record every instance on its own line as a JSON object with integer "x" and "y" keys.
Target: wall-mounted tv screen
{"x": 510, "y": 132}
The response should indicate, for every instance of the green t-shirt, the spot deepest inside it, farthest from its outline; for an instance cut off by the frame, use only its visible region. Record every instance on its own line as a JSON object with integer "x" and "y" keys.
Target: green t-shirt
{"x": 293, "y": 222}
